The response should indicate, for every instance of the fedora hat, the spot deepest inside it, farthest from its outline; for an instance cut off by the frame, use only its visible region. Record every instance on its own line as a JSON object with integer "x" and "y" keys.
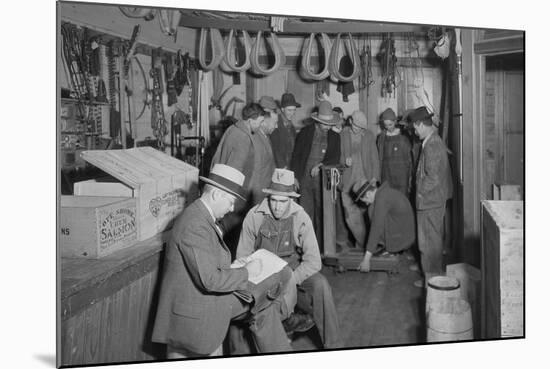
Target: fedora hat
{"x": 226, "y": 178}
{"x": 288, "y": 100}
{"x": 360, "y": 188}
{"x": 282, "y": 183}
{"x": 267, "y": 102}
{"x": 420, "y": 114}
{"x": 325, "y": 115}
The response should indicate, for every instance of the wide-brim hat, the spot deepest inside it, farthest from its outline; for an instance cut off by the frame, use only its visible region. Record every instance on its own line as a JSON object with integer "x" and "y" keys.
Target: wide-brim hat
{"x": 282, "y": 184}
{"x": 360, "y": 188}
{"x": 288, "y": 100}
{"x": 226, "y": 178}
{"x": 325, "y": 115}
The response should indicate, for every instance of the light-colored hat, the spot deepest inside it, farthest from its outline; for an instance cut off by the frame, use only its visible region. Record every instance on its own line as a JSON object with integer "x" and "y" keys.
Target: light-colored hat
{"x": 226, "y": 178}
{"x": 267, "y": 102}
{"x": 282, "y": 183}
{"x": 325, "y": 114}
{"x": 359, "y": 119}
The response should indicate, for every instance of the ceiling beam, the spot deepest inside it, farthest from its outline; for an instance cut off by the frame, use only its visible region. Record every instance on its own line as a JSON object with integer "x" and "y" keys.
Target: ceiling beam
{"x": 352, "y": 27}
{"x": 299, "y": 27}
{"x": 237, "y": 24}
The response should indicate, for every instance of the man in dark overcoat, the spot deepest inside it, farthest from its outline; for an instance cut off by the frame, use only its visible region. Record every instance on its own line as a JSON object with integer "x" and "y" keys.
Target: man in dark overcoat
{"x": 392, "y": 225}
{"x": 197, "y": 300}
{"x": 433, "y": 188}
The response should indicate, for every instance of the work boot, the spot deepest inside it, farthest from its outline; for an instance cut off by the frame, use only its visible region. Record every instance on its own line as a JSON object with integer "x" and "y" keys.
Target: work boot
{"x": 298, "y": 322}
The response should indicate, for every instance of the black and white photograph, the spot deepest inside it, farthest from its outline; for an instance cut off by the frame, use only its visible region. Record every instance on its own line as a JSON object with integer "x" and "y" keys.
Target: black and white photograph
{"x": 235, "y": 183}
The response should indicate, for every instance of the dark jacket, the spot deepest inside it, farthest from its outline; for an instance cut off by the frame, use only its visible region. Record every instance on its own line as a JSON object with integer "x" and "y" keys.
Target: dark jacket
{"x": 433, "y": 175}
{"x": 282, "y": 141}
{"x": 369, "y": 156}
{"x": 397, "y": 168}
{"x": 392, "y": 220}
{"x": 194, "y": 308}
{"x": 302, "y": 149}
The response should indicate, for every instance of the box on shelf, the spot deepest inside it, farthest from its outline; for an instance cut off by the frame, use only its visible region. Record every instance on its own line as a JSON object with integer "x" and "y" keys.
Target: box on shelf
{"x": 94, "y": 226}
{"x": 162, "y": 185}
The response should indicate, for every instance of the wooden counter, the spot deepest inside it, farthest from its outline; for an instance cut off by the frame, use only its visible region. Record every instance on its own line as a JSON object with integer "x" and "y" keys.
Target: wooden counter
{"x": 108, "y": 305}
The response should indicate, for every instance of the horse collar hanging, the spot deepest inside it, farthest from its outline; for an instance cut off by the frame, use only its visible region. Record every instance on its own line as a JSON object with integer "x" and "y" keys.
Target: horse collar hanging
{"x": 230, "y": 57}
{"x": 306, "y": 58}
{"x": 278, "y": 52}
{"x": 216, "y": 47}
{"x": 335, "y": 58}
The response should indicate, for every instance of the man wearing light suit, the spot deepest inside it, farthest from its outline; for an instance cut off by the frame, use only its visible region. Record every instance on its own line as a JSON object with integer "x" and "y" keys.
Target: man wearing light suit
{"x": 196, "y": 298}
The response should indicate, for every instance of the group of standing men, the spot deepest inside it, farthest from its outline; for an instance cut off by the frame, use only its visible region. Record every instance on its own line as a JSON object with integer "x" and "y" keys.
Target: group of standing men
{"x": 261, "y": 169}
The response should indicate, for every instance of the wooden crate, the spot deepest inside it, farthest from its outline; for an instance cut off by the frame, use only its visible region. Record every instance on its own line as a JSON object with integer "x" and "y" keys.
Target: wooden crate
{"x": 161, "y": 184}
{"x": 93, "y": 226}
{"x": 502, "y": 269}
{"x": 507, "y": 192}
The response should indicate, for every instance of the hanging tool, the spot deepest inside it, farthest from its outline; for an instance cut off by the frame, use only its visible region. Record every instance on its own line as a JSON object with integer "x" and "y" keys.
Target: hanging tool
{"x": 158, "y": 122}
{"x": 216, "y": 47}
{"x": 334, "y": 60}
{"x": 231, "y": 54}
{"x": 305, "y": 70}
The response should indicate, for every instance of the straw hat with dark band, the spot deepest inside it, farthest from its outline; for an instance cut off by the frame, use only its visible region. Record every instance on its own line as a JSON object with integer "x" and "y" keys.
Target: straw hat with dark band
{"x": 227, "y": 179}
{"x": 360, "y": 188}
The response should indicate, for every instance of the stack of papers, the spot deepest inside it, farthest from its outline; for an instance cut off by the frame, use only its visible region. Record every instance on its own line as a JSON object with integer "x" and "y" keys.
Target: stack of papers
{"x": 270, "y": 264}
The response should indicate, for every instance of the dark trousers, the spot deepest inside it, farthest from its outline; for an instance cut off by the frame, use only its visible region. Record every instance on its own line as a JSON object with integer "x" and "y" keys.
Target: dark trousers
{"x": 315, "y": 298}
{"x": 312, "y": 201}
{"x": 430, "y": 230}
{"x": 266, "y": 329}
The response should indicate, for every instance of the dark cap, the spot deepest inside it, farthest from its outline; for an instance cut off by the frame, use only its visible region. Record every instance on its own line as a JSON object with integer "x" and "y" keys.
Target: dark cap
{"x": 421, "y": 114}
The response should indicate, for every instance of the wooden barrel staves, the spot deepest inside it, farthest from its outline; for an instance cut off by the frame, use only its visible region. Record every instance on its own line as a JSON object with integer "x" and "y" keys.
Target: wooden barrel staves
{"x": 449, "y": 319}
{"x": 441, "y": 287}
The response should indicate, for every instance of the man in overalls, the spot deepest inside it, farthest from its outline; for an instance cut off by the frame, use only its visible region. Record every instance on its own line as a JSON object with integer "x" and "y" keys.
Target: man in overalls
{"x": 280, "y": 225}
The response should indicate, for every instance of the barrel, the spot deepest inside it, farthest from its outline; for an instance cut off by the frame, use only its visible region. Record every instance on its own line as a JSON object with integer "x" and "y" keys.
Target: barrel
{"x": 441, "y": 287}
{"x": 449, "y": 319}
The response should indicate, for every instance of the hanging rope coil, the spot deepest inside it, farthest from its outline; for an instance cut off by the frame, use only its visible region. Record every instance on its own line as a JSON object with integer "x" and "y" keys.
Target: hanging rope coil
{"x": 216, "y": 45}
{"x": 334, "y": 59}
{"x": 306, "y": 70}
{"x": 230, "y": 57}
{"x": 278, "y": 51}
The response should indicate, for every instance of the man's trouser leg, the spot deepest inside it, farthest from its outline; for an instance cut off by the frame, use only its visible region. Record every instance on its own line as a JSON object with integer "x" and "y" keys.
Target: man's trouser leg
{"x": 355, "y": 219}
{"x": 430, "y": 231}
{"x": 315, "y": 298}
{"x": 311, "y": 201}
{"x": 265, "y": 329}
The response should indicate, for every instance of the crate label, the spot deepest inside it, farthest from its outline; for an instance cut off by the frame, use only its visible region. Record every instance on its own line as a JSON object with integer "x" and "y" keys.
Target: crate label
{"x": 116, "y": 225}
{"x": 170, "y": 199}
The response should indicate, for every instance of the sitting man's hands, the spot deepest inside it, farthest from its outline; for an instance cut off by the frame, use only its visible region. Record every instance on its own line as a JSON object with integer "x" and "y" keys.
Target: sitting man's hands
{"x": 364, "y": 267}
{"x": 254, "y": 268}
